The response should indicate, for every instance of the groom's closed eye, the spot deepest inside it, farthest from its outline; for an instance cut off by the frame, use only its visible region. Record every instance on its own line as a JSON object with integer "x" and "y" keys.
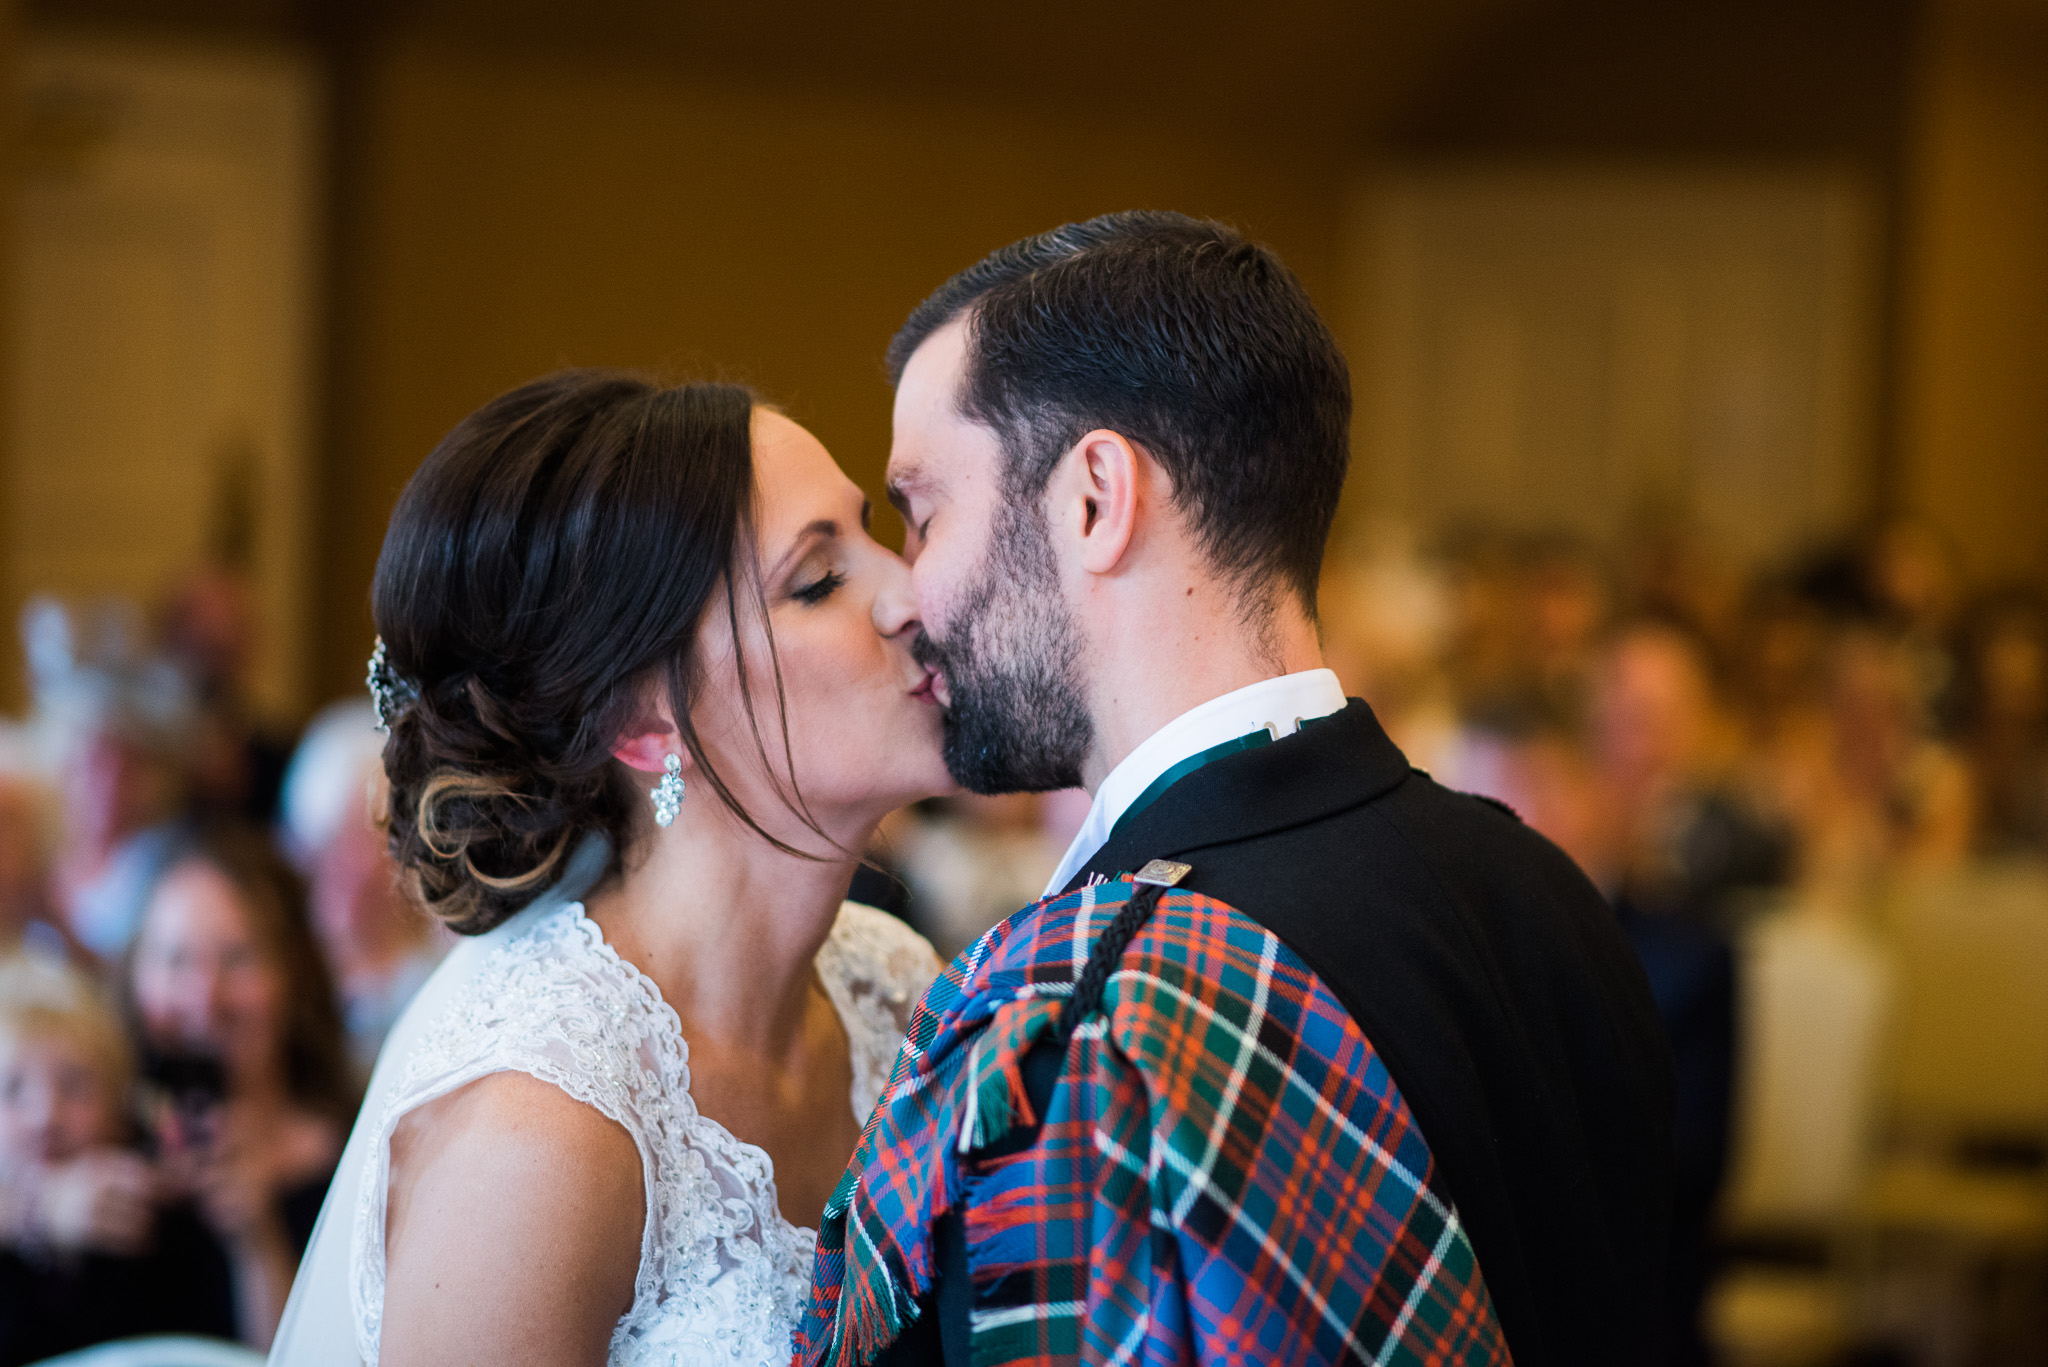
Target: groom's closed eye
{"x": 904, "y": 491}
{"x": 901, "y": 489}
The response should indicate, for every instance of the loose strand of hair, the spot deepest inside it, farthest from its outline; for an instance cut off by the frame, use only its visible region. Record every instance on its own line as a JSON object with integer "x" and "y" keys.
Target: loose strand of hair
{"x": 792, "y": 798}
{"x": 800, "y": 806}
{"x": 744, "y": 557}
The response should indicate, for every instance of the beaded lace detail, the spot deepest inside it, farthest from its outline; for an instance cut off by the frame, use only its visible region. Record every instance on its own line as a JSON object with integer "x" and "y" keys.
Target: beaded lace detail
{"x": 722, "y": 1275}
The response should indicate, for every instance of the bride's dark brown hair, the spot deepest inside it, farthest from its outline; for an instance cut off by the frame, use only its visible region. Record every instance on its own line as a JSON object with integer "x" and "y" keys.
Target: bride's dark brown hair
{"x": 552, "y": 555}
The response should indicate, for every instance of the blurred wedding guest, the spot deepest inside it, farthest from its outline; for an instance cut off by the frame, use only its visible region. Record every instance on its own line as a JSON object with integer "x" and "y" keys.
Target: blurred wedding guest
{"x": 1916, "y": 587}
{"x": 1898, "y": 575}
{"x": 1565, "y": 603}
{"x": 1673, "y": 569}
{"x": 1780, "y": 648}
{"x": 242, "y": 1041}
{"x": 85, "y": 1254}
{"x": 1483, "y": 641}
{"x": 1865, "y": 781}
{"x": 1689, "y": 841}
{"x": 2002, "y": 721}
{"x": 117, "y": 723}
{"x": 1689, "y": 849}
{"x": 379, "y": 945}
{"x": 206, "y": 627}
{"x": 1543, "y": 772}
{"x": 970, "y": 861}
{"x": 1386, "y": 615}
{"x": 29, "y": 934}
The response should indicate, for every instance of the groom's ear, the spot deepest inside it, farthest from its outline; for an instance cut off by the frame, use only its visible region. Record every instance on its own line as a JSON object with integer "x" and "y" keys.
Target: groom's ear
{"x": 1105, "y": 475}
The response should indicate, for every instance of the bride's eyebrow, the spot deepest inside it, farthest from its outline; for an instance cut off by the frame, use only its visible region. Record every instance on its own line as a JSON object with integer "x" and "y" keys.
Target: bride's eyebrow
{"x": 824, "y": 529}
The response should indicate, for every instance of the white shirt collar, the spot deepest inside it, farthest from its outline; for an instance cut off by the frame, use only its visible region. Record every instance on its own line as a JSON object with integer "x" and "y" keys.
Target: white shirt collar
{"x": 1279, "y": 705}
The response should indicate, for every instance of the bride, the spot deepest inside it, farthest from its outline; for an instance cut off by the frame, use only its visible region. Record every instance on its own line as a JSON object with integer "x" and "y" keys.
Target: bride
{"x": 649, "y": 689}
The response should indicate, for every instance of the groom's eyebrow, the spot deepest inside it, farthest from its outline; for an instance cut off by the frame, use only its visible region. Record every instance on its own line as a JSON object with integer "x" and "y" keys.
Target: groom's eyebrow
{"x": 902, "y": 485}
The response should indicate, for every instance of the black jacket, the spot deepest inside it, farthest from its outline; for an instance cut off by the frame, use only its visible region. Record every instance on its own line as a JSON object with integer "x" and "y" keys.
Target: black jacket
{"x": 1498, "y": 989}
{"x": 1496, "y": 986}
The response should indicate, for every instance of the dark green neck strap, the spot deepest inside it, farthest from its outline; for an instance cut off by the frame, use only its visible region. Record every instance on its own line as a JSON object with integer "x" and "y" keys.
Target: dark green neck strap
{"x": 1251, "y": 740}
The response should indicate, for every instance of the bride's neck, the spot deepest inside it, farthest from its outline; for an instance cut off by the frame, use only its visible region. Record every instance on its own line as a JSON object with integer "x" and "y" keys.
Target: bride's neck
{"x": 727, "y": 926}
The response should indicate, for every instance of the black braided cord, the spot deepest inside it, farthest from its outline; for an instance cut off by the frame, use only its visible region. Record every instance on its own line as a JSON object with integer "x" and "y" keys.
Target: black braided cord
{"x": 1102, "y": 961}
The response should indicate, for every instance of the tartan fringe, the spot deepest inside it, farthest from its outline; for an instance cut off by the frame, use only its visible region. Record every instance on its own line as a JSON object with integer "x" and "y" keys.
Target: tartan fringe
{"x": 871, "y": 1322}
{"x": 999, "y": 1103}
{"x": 864, "y": 1323}
{"x": 874, "y": 1305}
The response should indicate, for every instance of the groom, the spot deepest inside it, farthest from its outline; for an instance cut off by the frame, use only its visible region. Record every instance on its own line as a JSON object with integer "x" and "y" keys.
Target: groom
{"x": 1304, "y": 1058}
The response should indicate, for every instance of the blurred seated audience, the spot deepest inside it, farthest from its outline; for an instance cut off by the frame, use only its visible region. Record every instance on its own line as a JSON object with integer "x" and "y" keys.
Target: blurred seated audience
{"x": 380, "y": 946}
{"x": 88, "y": 1252}
{"x": 1642, "y": 799}
{"x": 250, "y": 1094}
{"x": 1805, "y": 741}
{"x": 2002, "y": 722}
{"x": 206, "y": 628}
{"x": 1691, "y": 853}
{"x": 118, "y": 725}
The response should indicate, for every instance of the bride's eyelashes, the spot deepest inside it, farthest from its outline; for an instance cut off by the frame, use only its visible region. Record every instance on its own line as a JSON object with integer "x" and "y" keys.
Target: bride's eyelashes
{"x": 819, "y": 589}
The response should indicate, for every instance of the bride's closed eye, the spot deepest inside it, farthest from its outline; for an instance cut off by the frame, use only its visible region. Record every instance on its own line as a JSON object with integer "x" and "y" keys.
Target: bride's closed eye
{"x": 819, "y": 589}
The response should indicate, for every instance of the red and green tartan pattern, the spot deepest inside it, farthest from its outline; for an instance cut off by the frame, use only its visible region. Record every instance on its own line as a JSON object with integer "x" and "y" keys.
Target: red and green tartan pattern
{"x": 1225, "y": 1174}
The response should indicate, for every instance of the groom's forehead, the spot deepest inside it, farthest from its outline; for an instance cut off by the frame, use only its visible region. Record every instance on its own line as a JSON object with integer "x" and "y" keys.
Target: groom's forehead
{"x": 945, "y": 458}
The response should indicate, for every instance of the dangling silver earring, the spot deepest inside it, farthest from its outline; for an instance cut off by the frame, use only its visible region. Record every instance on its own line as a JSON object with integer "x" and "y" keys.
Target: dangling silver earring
{"x": 668, "y": 794}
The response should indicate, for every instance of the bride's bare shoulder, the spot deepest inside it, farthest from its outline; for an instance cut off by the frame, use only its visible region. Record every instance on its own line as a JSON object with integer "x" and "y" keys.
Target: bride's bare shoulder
{"x": 514, "y": 1164}
{"x": 510, "y": 1113}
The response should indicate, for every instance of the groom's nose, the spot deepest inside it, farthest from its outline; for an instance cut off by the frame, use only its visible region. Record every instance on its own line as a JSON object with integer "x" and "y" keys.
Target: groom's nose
{"x": 895, "y": 604}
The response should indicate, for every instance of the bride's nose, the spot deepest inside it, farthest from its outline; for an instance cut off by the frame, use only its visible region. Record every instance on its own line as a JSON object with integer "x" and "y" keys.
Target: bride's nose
{"x": 895, "y": 604}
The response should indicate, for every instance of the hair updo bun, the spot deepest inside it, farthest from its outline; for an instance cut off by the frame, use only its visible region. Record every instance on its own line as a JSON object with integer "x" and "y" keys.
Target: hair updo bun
{"x": 554, "y": 552}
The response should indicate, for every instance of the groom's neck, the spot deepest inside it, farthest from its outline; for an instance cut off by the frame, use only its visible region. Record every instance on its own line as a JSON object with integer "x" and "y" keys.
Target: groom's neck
{"x": 1157, "y": 656}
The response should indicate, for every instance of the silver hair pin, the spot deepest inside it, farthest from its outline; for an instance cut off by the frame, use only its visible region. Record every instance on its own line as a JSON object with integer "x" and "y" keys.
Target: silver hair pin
{"x": 390, "y": 692}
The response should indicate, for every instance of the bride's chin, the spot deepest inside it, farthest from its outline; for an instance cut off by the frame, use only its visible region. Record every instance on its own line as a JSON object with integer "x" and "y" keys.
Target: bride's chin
{"x": 934, "y": 783}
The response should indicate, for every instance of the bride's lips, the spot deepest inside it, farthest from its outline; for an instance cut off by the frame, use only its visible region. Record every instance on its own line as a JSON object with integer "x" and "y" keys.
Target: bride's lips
{"x": 933, "y": 689}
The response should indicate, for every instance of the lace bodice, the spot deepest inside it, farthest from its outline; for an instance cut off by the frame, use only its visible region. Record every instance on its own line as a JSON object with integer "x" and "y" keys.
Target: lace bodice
{"x": 722, "y": 1275}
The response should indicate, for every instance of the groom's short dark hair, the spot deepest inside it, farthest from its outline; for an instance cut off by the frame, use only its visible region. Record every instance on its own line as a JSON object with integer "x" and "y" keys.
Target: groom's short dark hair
{"x": 1187, "y": 339}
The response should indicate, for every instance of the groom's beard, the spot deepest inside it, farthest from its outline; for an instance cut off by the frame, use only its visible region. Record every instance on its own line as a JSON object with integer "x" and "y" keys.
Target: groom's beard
{"x": 1017, "y": 722}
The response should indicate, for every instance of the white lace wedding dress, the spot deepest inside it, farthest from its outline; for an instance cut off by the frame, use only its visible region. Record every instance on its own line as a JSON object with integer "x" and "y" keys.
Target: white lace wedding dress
{"x": 723, "y": 1277}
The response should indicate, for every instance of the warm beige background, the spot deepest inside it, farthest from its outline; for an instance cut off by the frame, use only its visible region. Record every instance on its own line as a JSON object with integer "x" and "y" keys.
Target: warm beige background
{"x": 1975, "y": 356}
{"x": 764, "y": 190}
{"x": 519, "y": 214}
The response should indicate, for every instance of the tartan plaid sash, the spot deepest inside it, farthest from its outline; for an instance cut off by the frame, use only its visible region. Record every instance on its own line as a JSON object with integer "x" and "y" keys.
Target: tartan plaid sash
{"x": 1225, "y": 1173}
